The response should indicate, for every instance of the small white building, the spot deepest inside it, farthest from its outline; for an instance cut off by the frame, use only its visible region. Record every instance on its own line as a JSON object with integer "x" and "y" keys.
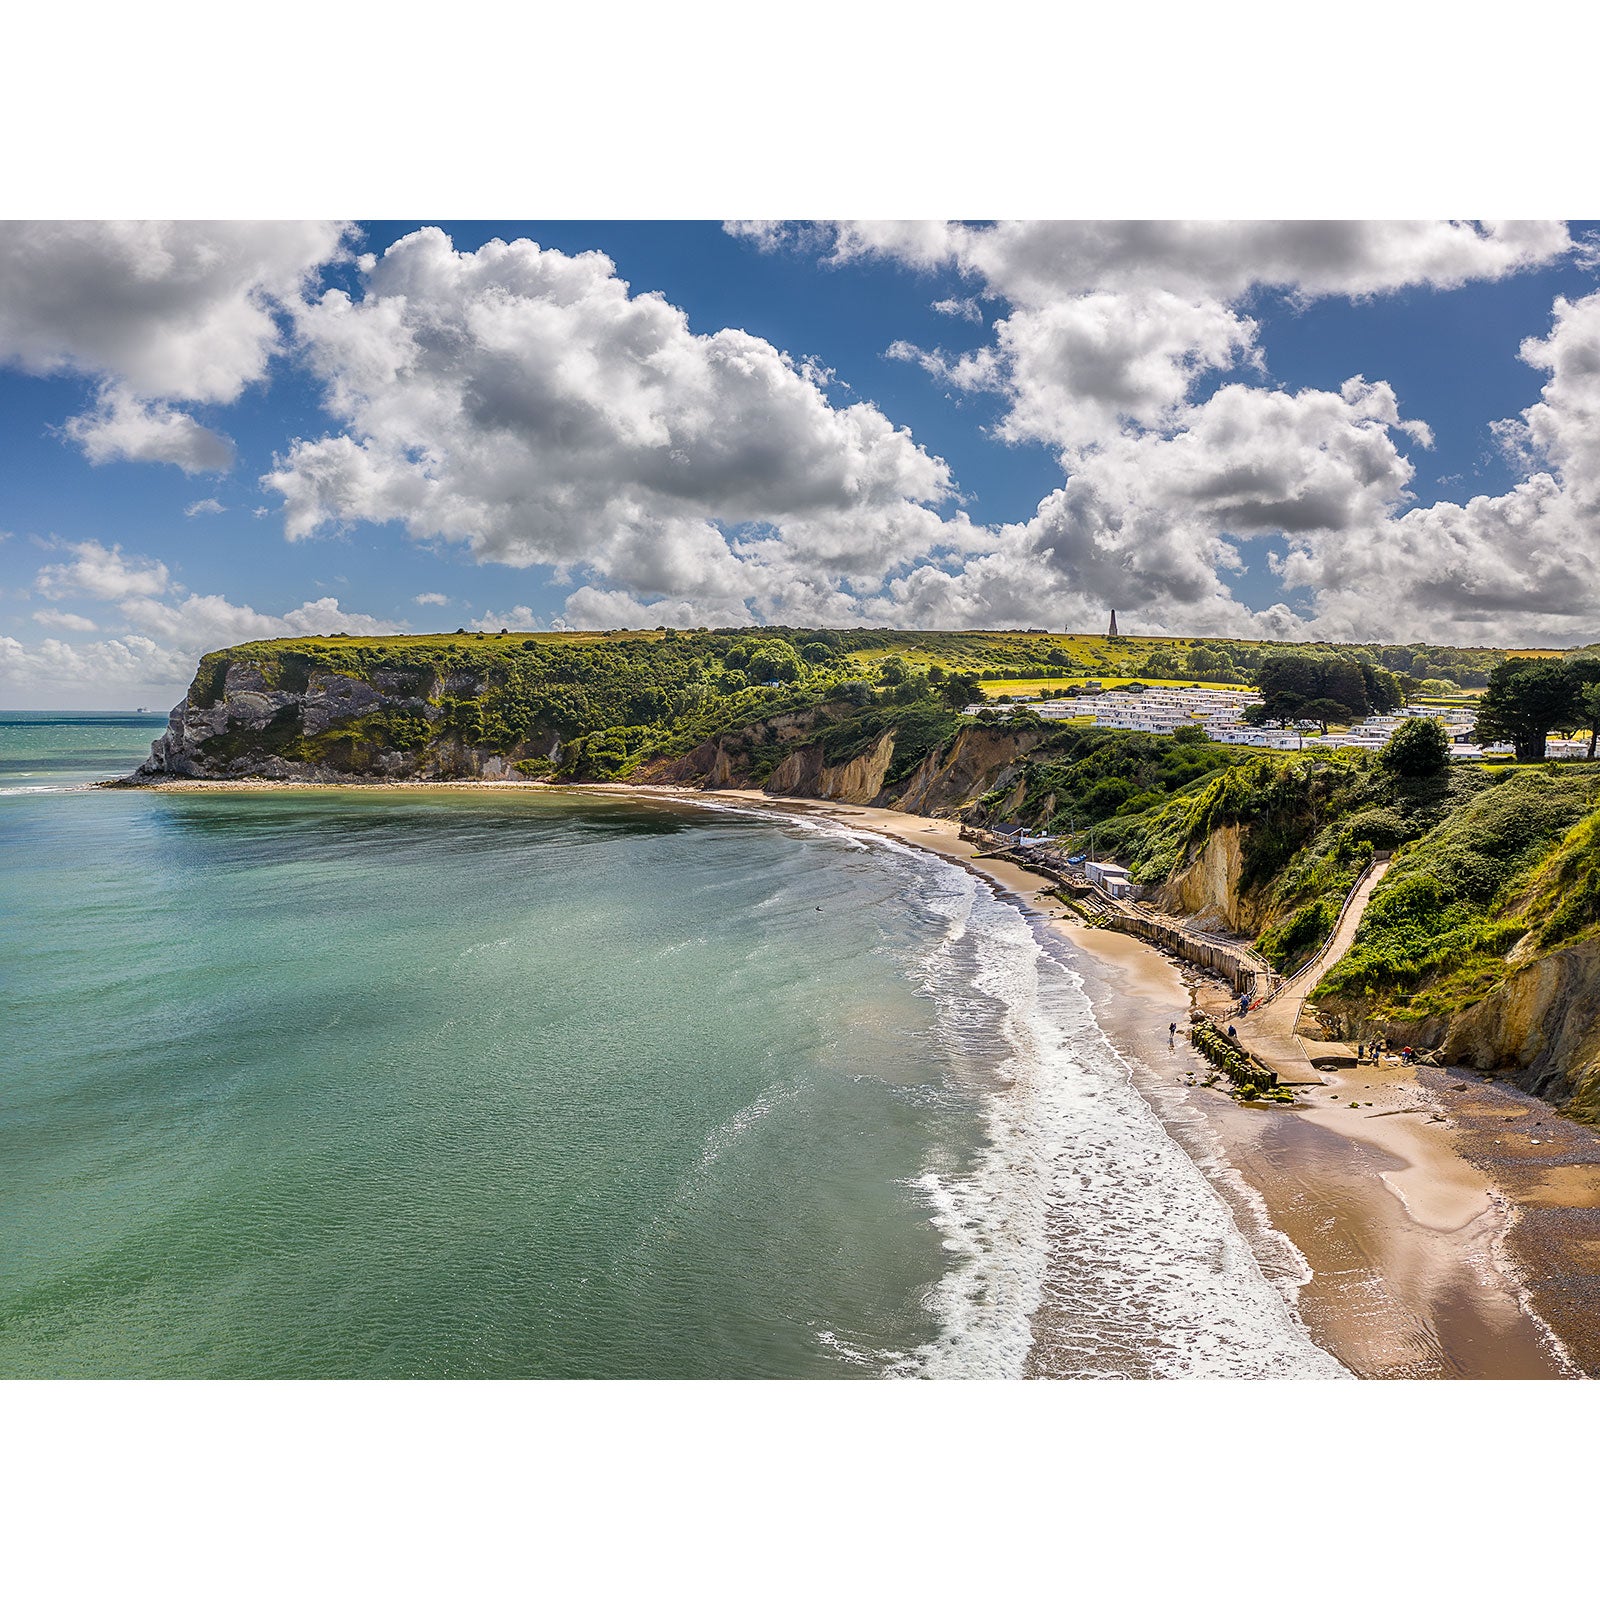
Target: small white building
{"x": 1109, "y": 877}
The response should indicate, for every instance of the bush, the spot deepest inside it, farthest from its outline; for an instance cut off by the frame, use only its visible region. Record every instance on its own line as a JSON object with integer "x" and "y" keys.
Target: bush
{"x": 1418, "y": 748}
{"x": 1380, "y": 826}
{"x": 1287, "y": 944}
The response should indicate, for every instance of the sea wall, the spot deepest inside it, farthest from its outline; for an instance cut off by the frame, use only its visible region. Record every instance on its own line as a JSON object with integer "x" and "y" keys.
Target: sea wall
{"x": 1232, "y": 962}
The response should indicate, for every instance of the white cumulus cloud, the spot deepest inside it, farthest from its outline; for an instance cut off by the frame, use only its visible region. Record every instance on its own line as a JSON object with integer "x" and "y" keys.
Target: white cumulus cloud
{"x": 158, "y": 312}
{"x": 527, "y": 404}
{"x": 1109, "y": 332}
{"x": 168, "y": 630}
{"x": 202, "y": 622}
{"x": 122, "y": 427}
{"x": 173, "y": 310}
{"x": 1517, "y": 566}
{"x": 155, "y": 659}
{"x": 1038, "y": 263}
{"x": 106, "y": 574}
{"x": 70, "y": 620}
{"x": 519, "y": 619}
{"x": 1082, "y": 369}
{"x": 1152, "y": 523}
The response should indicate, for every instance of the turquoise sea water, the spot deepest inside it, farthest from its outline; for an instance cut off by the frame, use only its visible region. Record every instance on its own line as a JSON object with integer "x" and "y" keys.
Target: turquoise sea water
{"x": 345, "y": 1083}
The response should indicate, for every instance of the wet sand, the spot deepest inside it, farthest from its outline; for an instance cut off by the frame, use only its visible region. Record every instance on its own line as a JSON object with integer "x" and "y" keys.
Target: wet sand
{"x": 1409, "y": 1272}
{"x": 1393, "y": 1292}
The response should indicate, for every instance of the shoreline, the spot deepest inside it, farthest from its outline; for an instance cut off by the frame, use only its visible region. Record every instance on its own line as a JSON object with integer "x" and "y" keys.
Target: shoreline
{"x": 1404, "y": 1239}
{"x": 1419, "y": 1261}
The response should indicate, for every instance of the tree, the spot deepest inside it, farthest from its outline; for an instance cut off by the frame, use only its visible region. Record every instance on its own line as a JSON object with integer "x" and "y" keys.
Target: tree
{"x": 1288, "y": 679}
{"x": 775, "y": 663}
{"x": 960, "y": 690}
{"x": 911, "y": 688}
{"x": 1591, "y": 709}
{"x": 1418, "y": 748}
{"x": 1585, "y": 671}
{"x": 1525, "y": 700}
{"x": 1344, "y": 682}
{"x": 1325, "y": 711}
{"x": 1383, "y": 687}
{"x": 1205, "y": 662}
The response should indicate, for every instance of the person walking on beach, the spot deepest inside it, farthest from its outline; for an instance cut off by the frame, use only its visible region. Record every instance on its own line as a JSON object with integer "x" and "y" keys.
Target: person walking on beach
{"x": 1172, "y": 1036}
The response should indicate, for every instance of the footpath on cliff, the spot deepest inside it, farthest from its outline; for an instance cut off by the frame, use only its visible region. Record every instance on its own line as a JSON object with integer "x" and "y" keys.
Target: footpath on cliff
{"x": 1268, "y": 1032}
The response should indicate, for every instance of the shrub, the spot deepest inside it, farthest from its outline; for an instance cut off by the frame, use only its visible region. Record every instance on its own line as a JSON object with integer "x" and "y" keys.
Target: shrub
{"x": 1418, "y": 748}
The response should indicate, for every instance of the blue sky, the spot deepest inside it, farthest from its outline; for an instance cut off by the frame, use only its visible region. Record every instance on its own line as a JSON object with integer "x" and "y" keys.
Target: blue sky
{"x": 1160, "y": 421}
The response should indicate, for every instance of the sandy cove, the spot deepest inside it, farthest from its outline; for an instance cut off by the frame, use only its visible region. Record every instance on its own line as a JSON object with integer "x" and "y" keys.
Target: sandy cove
{"x": 1438, "y": 1244}
{"x": 1405, "y": 1237}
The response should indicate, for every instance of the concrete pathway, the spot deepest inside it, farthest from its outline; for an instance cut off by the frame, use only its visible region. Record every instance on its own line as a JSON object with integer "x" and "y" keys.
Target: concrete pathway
{"x": 1268, "y": 1032}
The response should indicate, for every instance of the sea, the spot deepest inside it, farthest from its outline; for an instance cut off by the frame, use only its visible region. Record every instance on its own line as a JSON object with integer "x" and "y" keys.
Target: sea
{"x": 500, "y": 1083}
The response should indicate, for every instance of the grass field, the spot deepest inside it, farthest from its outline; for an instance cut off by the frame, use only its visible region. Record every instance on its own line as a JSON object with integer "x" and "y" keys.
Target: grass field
{"x": 998, "y": 687}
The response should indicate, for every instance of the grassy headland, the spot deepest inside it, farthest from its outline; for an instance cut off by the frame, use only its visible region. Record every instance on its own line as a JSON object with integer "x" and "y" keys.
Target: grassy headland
{"x": 1496, "y": 867}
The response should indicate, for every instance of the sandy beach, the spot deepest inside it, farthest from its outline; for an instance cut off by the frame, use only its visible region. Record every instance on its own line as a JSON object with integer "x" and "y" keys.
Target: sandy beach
{"x": 1449, "y": 1225}
{"x": 1422, "y": 1261}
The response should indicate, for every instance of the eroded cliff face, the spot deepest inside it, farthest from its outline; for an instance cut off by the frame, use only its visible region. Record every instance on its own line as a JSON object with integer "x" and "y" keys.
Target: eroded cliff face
{"x": 1541, "y": 1024}
{"x": 981, "y": 758}
{"x": 1206, "y": 889}
{"x": 858, "y": 781}
{"x": 331, "y": 729}
{"x": 944, "y": 781}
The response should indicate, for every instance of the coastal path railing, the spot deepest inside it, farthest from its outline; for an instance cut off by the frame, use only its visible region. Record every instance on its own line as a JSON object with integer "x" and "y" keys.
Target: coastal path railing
{"x": 1369, "y": 874}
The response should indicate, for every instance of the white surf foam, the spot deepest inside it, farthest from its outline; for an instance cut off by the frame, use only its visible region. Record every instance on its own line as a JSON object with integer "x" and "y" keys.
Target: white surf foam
{"x": 1083, "y": 1220}
{"x": 1083, "y": 1216}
